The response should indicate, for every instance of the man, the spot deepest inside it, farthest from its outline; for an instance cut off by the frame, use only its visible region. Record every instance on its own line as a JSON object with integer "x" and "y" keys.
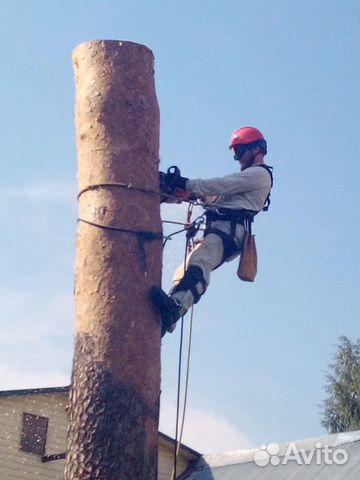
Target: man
{"x": 236, "y": 198}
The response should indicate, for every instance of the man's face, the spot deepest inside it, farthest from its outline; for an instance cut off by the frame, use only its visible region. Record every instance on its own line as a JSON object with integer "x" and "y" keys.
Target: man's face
{"x": 244, "y": 155}
{"x": 246, "y": 159}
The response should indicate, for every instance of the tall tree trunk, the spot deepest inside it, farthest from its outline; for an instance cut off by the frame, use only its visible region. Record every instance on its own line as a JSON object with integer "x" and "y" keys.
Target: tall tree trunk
{"x": 114, "y": 396}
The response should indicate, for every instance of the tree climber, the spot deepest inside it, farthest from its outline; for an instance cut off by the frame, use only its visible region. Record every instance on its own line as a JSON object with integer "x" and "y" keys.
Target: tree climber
{"x": 234, "y": 199}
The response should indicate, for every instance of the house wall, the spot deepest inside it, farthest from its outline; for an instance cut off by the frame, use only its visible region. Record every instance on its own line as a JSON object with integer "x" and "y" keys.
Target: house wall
{"x": 15, "y": 464}
{"x": 166, "y": 462}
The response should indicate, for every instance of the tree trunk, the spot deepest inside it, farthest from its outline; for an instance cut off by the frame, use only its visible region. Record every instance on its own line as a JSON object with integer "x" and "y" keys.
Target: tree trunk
{"x": 114, "y": 396}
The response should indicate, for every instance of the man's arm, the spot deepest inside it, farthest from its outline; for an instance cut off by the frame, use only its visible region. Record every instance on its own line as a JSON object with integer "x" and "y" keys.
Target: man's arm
{"x": 248, "y": 180}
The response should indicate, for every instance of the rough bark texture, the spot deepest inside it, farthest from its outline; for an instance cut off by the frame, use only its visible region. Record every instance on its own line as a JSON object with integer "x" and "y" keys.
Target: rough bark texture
{"x": 114, "y": 397}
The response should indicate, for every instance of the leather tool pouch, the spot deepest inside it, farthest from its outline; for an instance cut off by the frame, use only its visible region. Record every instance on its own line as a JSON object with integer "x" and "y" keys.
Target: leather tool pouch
{"x": 248, "y": 258}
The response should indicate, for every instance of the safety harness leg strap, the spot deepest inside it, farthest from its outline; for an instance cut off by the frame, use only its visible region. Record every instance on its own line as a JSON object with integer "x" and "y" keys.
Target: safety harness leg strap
{"x": 229, "y": 244}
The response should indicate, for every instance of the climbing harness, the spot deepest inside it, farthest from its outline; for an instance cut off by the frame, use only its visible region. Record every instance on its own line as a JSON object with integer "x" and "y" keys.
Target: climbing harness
{"x": 267, "y": 200}
{"x": 235, "y": 217}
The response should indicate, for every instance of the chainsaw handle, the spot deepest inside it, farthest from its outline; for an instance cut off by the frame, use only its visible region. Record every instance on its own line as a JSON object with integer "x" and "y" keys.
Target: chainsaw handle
{"x": 174, "y": 170}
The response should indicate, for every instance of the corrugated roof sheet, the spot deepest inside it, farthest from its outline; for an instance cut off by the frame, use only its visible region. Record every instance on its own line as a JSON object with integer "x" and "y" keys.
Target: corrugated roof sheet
{"x": 292, "y": 463}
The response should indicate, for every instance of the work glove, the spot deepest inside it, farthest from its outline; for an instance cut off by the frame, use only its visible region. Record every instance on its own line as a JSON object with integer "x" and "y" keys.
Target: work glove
{"x": 172, "y": 180}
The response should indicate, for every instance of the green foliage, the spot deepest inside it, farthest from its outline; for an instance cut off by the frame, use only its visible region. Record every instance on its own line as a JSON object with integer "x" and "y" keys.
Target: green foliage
{"x": 342, "y": 406}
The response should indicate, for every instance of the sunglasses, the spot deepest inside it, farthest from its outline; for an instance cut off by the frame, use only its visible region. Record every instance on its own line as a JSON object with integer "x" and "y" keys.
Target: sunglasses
{"x": 239, "y": 150}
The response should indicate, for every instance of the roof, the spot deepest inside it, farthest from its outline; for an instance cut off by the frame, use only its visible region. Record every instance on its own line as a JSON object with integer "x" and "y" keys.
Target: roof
{"x": 332, "y": 456}
{"x": 33, "y": 391}
{"x": 192, "y": 454}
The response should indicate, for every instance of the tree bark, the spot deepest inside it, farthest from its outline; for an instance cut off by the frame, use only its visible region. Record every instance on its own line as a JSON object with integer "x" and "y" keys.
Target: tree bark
{"x": 114, "y": 395}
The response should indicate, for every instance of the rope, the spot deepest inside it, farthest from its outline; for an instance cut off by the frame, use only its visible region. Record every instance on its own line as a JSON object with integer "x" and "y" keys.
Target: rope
{"x": 130, "y": 186}
{"x": 168, "y": 237}
{"x": 178, "y": 400}
{"x": 186, "y": 377}
{"x": 186, "y": 391}
{"x": 143, "y": 233}
{"x": 174, "y": 223}
{"x": 178, "y": 440}
{"x": 141, "y": 236}
{"x": 191, "y": 228}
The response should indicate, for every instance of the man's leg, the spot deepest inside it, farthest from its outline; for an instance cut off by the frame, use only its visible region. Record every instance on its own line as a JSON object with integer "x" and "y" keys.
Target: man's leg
{"x": 196, "y": 279}
{"x": 192, "y": 285}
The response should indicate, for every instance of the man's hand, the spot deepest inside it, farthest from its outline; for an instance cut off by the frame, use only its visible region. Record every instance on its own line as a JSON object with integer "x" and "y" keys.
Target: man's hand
{"x": 183, "y": 195}
{"x": 172, "y": 180}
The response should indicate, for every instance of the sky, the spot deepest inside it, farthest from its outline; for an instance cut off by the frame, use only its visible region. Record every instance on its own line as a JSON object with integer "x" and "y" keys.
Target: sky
{"x": 260, "y": 351}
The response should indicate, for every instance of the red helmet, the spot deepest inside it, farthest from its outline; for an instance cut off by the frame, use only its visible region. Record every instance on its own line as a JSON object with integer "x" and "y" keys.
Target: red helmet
{"x": 246, "y": 135}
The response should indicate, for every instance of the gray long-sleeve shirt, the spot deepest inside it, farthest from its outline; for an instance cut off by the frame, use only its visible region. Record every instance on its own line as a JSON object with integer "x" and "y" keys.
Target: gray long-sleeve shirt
{"x": 244, "y": 190}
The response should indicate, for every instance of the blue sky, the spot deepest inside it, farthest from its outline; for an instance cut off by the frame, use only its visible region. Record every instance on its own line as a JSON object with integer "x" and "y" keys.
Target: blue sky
{"x": 260, "y": 351}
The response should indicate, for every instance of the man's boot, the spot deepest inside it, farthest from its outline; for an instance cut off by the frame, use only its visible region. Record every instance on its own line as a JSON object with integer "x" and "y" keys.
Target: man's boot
{"x": 170, "y": 310}
{"x": 187, "y": 292}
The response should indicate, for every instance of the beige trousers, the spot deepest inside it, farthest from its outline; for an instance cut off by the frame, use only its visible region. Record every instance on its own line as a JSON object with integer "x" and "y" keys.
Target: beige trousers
{"x": 207, "y": 255}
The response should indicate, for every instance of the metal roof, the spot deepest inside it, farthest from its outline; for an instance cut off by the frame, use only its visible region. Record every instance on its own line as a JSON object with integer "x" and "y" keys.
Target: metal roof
{"x": 335, "y": 457}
